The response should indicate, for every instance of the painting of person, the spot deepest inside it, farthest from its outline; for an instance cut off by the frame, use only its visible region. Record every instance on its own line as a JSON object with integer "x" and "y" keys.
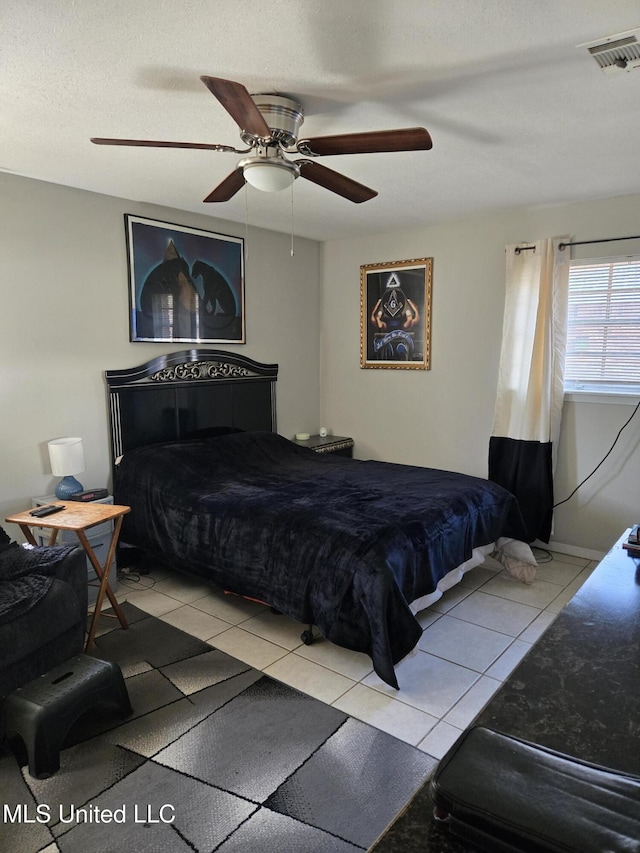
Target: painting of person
{"x": 395, "y": 314}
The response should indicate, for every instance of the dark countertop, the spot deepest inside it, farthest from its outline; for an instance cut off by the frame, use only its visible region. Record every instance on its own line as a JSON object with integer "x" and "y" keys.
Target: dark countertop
{"x": 577, "y": 691}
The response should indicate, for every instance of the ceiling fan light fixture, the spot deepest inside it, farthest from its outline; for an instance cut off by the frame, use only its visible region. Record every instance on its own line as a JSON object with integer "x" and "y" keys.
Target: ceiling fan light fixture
{"x": 269, "y": 175}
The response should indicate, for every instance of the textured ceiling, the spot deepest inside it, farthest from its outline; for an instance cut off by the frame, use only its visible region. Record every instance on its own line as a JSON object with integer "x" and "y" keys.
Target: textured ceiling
{"x": 518, "y": 114}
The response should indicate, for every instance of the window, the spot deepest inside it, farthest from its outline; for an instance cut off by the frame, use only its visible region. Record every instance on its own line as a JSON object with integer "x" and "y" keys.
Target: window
{"x": 603, "y": 330}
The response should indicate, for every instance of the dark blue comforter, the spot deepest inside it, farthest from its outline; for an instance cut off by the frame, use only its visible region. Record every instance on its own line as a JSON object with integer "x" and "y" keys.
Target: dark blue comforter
{"x": 343, "y": 544}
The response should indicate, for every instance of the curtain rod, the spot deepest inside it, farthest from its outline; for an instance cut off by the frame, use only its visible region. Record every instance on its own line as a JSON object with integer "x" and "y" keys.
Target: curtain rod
{"x": 562, "y": 246}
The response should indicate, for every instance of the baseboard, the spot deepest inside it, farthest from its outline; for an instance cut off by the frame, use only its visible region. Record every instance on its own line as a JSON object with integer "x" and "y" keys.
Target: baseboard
{"x": 572, "y": 550}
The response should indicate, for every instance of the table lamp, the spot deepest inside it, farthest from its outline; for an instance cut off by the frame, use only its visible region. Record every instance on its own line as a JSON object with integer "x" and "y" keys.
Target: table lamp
{"x": 67, "y": 458}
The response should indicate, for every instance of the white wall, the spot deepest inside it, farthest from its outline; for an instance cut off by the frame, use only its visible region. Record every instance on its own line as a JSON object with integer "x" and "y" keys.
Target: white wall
{"x": 442, "y": 418}
{"x": 64, "y": 321}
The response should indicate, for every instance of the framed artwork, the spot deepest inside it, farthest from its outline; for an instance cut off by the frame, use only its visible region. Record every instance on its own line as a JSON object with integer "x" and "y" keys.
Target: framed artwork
{"x": 395, "y": 314}
{"x": 185, "y": 284}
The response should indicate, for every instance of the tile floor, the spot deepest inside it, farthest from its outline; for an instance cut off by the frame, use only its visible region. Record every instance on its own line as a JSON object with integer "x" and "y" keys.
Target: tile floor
{"x": 473, "y": 638}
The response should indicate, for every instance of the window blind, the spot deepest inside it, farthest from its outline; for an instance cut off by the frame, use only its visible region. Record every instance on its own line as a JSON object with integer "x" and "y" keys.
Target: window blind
{"x": 603, "y": 330}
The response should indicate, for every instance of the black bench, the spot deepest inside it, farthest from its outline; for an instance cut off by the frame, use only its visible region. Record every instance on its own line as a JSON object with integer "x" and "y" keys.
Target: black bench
{"x": 504, "y": 794}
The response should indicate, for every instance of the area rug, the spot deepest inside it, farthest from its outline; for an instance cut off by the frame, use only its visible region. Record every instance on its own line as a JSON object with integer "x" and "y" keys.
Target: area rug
{"x": 216, "y": 757}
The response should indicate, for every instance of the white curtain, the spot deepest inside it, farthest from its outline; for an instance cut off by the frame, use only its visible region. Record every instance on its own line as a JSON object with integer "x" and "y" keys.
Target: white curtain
{"x": 530, "y": 381}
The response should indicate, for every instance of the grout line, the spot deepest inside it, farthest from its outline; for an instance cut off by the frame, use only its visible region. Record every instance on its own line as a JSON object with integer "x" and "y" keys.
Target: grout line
{"x": 562, "y": 588}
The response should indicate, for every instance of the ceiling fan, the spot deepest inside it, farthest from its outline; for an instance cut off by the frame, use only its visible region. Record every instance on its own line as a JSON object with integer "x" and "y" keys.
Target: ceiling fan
{"x": 269, "y": 126}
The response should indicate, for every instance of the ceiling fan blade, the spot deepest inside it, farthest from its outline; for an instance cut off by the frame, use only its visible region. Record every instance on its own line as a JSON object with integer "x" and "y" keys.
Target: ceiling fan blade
{"x": 407, "y": 139}
{"x": 150, "y": 143}
{"x": 237, "y": 101}
{"x": 335, "y": 182}
{"x": 227, "y": 188}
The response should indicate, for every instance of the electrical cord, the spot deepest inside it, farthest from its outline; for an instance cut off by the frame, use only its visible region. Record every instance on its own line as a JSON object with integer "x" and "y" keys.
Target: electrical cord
{"x": 542, "y": 555}
{"x": 134, "y": 580}
{"x": 603, "y": 459}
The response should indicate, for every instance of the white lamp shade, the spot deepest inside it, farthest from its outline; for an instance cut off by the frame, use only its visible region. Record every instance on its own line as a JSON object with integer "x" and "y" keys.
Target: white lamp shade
{"x": 270, "y": 176}
{"x": 66, "y": 456}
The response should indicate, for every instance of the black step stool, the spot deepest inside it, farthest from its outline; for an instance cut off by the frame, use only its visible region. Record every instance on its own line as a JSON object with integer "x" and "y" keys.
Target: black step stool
{"x": 42, "y": 712}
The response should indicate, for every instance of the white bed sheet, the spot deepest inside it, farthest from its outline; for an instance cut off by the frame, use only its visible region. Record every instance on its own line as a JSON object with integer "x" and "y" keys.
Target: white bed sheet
{"x": 517, "y": 557}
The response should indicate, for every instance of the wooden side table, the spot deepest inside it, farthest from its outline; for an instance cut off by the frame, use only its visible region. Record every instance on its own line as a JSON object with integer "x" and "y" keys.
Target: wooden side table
{"x": 80, "y": 517}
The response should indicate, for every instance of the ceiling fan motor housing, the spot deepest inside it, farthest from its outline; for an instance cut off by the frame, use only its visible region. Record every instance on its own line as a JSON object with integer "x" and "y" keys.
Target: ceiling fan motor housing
{"x": 283, "y": 115}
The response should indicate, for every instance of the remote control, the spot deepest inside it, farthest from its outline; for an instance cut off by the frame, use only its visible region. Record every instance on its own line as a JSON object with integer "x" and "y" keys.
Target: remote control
{"x": 49, "y": 509}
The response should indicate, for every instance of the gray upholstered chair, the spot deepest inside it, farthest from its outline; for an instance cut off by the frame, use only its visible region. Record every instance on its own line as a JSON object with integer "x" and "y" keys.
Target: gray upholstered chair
{"x": 43, "y": 609}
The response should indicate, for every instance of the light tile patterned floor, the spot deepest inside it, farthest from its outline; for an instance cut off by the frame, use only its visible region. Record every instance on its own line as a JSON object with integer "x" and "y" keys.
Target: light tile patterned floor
{"x": 473, "y": 638}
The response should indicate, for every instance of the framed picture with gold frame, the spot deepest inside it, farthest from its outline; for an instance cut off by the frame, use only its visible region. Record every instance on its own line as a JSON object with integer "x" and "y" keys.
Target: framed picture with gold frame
{"x": 395, "y": 314}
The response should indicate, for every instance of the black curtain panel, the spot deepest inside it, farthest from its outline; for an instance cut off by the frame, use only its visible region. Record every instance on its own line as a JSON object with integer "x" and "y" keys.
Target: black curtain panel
{"x": 525, "y": 469}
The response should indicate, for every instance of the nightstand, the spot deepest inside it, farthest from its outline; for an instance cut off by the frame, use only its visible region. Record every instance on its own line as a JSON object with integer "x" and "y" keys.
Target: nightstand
{"x": 99, "y": 538}
{"x": 339, "y": 444}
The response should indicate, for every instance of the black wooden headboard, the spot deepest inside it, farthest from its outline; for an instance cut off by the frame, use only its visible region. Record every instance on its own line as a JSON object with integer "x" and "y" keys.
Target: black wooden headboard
{"x": 188, "y": 393}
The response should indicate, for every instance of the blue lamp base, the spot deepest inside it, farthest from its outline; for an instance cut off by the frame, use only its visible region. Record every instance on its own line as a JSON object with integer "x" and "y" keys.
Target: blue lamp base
{"x": 68, "y": 486}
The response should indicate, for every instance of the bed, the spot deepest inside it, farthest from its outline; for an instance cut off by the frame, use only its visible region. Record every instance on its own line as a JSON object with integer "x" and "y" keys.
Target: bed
{"x": 352, "y": 547}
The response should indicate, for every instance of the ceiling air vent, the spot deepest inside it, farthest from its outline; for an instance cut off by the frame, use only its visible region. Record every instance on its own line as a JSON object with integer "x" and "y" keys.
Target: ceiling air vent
{"x": 616, "y": 53}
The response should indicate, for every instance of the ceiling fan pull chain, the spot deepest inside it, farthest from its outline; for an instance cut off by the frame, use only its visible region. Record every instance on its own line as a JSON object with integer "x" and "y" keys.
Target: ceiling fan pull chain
{"x": 246, "y": 225}
{"x": 292, "y": 252}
